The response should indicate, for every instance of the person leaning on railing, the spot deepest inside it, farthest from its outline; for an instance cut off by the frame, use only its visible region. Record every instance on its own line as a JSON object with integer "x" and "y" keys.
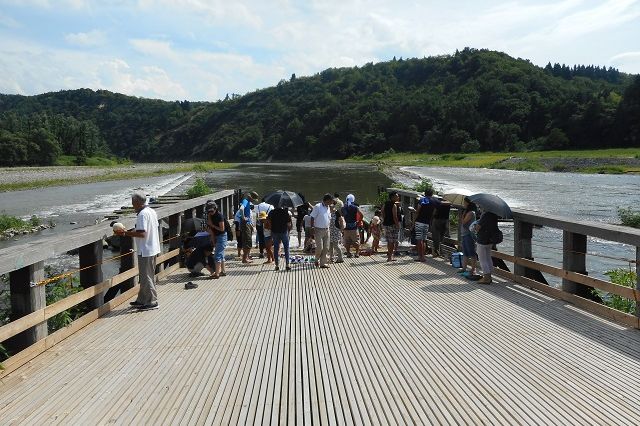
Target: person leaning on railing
{"x": 148, "y": 247}
{"x": 487, "y": 228}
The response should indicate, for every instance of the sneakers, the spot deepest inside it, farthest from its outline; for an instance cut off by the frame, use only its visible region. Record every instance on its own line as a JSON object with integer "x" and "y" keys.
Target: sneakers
{"x": 462, "y": 271}
{"x": 466, "y": 274}
{"x": 288, "y": 268}
{"x": 135, "y": 303}
{"x": 486, "y": 279}
{"x": 190, "y": 285}
{"x": 339, "y": 261}
{"x": 148, "y": 306}
{"x": 277, "y": 268}
{"x": 196, "y": 274}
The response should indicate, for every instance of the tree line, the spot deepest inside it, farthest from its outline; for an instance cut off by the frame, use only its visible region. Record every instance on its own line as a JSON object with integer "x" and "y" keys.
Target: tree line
{"x": 473, "y": 100}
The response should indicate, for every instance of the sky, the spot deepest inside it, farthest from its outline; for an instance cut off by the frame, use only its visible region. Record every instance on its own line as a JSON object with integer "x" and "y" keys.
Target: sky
{"x": 201, "y": 50}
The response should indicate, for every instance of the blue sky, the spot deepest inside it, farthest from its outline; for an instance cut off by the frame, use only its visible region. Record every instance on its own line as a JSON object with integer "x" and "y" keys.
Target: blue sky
{"x": 202, "y": 50}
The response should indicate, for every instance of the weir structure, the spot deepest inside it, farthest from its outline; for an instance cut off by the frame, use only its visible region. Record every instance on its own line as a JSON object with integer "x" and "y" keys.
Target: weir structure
{"x": 364, "y": 342}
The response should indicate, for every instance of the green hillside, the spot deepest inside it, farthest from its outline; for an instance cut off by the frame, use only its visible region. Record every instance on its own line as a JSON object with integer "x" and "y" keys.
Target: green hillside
{"x": 473, "y": 100}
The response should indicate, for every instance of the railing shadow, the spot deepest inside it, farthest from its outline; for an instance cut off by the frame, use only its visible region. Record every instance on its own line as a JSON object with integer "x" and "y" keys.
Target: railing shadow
{"x": 618, "y": 338}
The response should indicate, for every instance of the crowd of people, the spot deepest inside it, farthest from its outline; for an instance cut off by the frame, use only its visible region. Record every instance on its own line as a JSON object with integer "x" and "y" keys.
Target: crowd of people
{"x": 332, "y": 228}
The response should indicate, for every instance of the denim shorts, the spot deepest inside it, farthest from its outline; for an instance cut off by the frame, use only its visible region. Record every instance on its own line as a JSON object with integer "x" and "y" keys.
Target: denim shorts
{"x": 221, "y": 244}
{"x": 468, "y": 246}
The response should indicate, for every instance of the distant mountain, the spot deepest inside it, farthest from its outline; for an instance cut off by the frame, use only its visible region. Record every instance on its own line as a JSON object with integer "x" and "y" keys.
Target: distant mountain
{"x": 473, "y": 100}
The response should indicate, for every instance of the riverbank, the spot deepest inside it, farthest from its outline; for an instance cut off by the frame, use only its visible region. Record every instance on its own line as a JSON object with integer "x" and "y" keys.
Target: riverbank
{"x": 20, "y": 178}
{"x": 607, "y": 161}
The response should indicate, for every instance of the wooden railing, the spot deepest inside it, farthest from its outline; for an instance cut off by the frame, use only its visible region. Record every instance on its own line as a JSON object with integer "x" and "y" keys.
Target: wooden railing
{"x": 577, "y": 285}
{"x": 26, "y": 335}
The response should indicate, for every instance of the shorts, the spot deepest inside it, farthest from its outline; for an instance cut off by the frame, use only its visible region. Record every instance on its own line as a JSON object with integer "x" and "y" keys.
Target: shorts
{"x": 351, "y": 238}
{"x": 391, "y": 233}
{"x": 422, "y": 230}
{"x": 468, "y": 246}
{"x": 221, "y": 244}
{"x": 247, "y": 231}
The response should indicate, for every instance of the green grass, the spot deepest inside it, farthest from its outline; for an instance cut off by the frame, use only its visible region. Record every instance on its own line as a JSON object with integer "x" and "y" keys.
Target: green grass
{"x": 71, "y": 160}
{"x": 12, "y": 222}
{"x": 199, "y": 189}
{"x": 529, "y": 160}
{"x": 117, "y": 174}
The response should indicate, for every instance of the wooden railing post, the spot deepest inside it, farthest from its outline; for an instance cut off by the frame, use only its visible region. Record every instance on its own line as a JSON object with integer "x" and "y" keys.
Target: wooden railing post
{"x": 91, "y": 254}
{"x": 574, "y": 249}
{"x": 128, "y": 260}
{"x": 522, "y": 235}
{"x": 128, "y": 245}
{"x": 26, "y": 299}
{"x": 175, "y": 229}
{"x": 160, "y": 265}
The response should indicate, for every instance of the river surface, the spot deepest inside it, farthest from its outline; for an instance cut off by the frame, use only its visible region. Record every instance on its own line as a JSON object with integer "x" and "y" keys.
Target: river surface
{"x": 585, "y": 197}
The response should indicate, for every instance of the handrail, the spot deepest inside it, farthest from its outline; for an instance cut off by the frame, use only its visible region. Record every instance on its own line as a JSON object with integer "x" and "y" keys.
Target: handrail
{"x": 37, "y": 250}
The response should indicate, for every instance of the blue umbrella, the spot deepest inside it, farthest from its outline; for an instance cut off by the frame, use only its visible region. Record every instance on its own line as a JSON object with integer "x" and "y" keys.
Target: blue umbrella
{"x": 492, "y": 203}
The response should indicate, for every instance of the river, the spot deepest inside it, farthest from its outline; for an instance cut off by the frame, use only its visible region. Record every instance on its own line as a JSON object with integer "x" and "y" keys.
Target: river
{"x": 585, "y": 197}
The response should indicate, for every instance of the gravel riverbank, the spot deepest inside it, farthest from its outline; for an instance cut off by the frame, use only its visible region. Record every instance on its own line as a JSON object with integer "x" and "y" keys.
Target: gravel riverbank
{"x": 15, "y": 175}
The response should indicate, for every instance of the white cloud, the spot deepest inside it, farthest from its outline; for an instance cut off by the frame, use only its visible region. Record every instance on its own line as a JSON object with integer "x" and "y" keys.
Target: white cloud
{"x": 91, "y": 38}
{"x": 214, "y": 11}
{"x": 8, "y": 22}
{"x": 627, "y": 62}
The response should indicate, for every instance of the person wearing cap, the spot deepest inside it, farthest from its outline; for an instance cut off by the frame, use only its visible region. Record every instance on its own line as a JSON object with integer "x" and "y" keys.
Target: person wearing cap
{"x": 320, "y": 220}
{"x": 391, "y": 223}
{"x": 215, "y": 224}
{"x": 246, "y": 225}
{"x": 265, "y": 223}
{"x": 421, "y": 222}
{"x": 350, "y": 212}
{"x": 260, "y": 237}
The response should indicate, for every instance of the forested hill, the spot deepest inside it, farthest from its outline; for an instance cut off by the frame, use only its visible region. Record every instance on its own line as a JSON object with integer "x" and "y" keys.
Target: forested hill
{"x": 474, "y": 100}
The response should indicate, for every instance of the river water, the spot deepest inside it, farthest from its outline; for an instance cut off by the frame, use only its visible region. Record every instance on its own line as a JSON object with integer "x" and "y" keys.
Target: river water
{"x": 585, "y": 197}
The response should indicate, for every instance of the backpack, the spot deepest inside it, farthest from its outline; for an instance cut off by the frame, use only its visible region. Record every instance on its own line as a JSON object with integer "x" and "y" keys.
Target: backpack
{"x": 496, "y": 238}
{"x": 227, "y": 229}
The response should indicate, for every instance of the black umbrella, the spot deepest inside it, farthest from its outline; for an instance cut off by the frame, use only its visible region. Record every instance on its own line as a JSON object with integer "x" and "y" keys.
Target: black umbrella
{"x": 194, "y": 224}
{"x": 283, "y": 199}
{"x": 492, "y": 203}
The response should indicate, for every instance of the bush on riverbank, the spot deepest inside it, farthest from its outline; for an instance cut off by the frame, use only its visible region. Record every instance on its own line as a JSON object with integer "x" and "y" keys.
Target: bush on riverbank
{"x": 629, "y": 217}
{"x": 199, "y": 189}
{"x": 8, "y": 223}
{"x": 623, "y": 277}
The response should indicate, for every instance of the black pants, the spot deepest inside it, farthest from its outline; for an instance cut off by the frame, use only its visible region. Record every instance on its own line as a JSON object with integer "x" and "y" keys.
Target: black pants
{"x": 260, "y": 236}
{"x": 438, "y": 232}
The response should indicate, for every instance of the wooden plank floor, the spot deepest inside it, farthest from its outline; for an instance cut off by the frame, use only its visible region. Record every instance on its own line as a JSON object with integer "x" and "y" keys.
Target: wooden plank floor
{"x": 365, "y": 342}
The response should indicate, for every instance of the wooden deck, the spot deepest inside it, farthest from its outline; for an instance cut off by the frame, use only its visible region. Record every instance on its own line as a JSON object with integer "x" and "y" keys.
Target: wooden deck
{"x": 366, "y": 342}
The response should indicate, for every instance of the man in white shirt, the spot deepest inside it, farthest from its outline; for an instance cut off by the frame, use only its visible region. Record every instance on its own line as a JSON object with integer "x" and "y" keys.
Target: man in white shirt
{"x": 148, "y": 246}
{"x": 320, "y": 220}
